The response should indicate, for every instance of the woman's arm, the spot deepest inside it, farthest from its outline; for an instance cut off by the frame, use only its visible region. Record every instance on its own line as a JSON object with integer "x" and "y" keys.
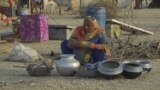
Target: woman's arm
{"x": 102, "y": 44}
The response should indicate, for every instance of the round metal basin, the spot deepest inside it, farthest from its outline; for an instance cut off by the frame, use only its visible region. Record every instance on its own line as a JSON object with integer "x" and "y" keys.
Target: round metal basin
{"x": 110, "y": 69}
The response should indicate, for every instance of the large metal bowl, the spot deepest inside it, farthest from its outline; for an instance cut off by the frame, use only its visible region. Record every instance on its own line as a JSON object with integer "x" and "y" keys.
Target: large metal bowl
{"x": 110, "y": 69}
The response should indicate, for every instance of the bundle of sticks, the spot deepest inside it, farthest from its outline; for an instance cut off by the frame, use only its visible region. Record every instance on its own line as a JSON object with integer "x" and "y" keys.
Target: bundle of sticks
{"x": 143, "y": 50}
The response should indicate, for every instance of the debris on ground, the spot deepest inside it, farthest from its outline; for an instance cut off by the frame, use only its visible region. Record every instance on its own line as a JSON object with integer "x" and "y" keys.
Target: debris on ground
{"x": 143, "y": 50}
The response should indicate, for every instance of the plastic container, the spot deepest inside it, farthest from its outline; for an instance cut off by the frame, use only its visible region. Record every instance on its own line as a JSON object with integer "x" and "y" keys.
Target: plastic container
{"x": 99, "y": 13}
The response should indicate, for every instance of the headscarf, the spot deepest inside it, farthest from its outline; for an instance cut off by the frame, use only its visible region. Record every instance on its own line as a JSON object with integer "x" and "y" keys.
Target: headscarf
{"x": 80, "y": 32}
{"x": 92, "y": 22}
{"x": 89, "y": 20}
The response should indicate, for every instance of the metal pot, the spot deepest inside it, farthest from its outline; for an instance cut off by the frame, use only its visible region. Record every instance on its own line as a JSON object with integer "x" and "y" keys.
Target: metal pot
{"x": 110, "y": 69}
{"x": 67, "y": 65}
{"x": 132, "y": 70}
{"x": 125, "y": 62}
{"x": 145, "y": 64}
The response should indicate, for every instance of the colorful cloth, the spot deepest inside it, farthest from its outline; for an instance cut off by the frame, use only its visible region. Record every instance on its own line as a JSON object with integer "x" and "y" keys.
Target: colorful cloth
{"x": 84, "y": 56}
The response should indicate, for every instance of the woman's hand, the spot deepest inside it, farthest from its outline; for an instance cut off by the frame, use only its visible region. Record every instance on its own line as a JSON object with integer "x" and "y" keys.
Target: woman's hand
{"x": 96, "y": 46}
{"x": 108, "y": 53}
{"x": 92, "y": 46}
{"x": 99, "y": 47}
{"x": 85, "y": 44}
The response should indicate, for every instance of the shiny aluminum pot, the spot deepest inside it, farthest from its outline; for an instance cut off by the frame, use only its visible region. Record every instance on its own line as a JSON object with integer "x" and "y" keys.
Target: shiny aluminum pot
{"x": 110, "y": 69}
{"x": 125, "y": 62}
{"x": 67, "y": 65}
{"x": 145, "y": 64}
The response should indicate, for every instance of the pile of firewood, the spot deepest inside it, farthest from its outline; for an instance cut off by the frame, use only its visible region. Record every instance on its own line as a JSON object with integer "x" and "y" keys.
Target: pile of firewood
{"x": 143, "y": 50}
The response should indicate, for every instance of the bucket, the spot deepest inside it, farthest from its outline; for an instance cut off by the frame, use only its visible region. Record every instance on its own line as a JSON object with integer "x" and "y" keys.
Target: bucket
{"x": 99, "y": 13}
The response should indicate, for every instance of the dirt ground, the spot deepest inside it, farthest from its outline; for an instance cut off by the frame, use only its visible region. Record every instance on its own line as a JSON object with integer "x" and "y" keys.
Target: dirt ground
{"x": 13, "y": 78}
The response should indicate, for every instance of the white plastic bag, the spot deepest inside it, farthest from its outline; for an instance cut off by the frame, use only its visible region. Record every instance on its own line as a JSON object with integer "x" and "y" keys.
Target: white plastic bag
{"x": 22, "y": 54}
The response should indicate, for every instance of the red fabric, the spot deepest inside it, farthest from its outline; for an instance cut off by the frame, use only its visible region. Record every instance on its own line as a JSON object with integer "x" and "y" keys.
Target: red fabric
{"x": 80, "y": 33}
{"x": 5, "y": 19}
